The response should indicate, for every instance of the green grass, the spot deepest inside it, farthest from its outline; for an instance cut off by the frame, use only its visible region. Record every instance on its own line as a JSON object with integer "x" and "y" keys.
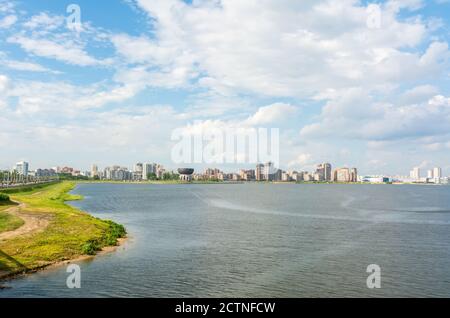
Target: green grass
{"x": 26, "y": 188}
{"x": 70, "y": 233}
{"x": 8, "y": 222}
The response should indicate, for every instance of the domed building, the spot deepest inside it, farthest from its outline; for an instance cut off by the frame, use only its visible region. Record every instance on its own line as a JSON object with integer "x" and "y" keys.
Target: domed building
{"x": 186, "y": 174}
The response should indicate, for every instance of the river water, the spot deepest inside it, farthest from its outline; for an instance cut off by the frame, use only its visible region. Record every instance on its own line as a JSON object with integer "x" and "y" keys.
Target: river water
{"x": 262, "y": 240}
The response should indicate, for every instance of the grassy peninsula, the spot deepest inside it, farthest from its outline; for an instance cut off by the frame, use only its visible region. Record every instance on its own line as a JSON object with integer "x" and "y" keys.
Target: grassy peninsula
{"x": 37, "y": 229}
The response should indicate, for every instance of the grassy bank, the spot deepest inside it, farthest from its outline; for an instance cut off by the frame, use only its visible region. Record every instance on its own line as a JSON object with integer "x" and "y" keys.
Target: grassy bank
{"x": 8, "y": 222}
{"x": 26, "y": 188}
{"x": 70, "y": 233}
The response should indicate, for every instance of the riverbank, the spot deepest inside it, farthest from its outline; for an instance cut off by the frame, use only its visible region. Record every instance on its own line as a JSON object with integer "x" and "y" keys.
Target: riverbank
{"x": 52, "y": 231}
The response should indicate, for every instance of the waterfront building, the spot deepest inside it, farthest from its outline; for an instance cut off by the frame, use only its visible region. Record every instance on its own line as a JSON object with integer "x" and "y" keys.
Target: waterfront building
{"x": 94, "y": 171}
{"x": 117, "y": 173}
{"x": 247, "y": 175}
{"x": 137, "y": 171}
{"x": 437, "y": 174}
{"x": 22, "y": 168}
{"x": 353, "y": 175}
{"x": 212, "y": 173}
{"x": 345, "y": 175}
{"x": 415, "y": 174}
{"x": 308, "y": 177}
{"x": 186, "y": 174}
{"x": 269, "y": 171}
{"x": 324, "y": 172}
{"x": 297, "y": 176}
{"x": 259, "y": 176}
{"x": 318, "y": 176}
{"x": 375, "y": 179}
{"x": 285, "y": 176}
{"x": 148, "y": 168}
{"x": 45, "y": 173}
{"x": 278, "y": 175}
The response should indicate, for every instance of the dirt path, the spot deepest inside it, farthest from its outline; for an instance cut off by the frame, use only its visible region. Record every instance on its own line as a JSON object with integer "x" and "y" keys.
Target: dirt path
{"x": 33, "y": 222}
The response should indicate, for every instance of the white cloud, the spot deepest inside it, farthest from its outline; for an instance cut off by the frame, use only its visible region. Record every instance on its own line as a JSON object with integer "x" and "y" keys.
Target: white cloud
{"x": 67, "y": 52}
{"x": 3, "y": 83}
{"x": 302, "y": 160}
{"x": 272, "y": 114}
{"x": 359, "y": 117}
{"x": 25, "y": 66}
{"x": 285, "y": 48}
{"x": 44, "y": 21}
{"x": 8, "y": 21}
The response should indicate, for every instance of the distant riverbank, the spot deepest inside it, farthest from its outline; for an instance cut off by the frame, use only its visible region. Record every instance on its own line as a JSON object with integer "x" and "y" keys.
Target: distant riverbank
{"x": 50, "y": 231}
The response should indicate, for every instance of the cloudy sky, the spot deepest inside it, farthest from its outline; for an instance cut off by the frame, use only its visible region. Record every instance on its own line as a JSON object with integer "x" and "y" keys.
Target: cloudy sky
{"x": 345, "y": 81}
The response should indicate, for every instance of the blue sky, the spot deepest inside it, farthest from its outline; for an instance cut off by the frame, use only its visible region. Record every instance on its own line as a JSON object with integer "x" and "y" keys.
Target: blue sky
{"x": 342, "y": 82}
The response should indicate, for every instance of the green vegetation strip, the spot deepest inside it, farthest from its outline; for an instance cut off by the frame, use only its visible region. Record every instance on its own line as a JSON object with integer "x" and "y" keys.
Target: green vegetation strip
{"x": 70, "y": 233}
{"x": 26, "y": 188}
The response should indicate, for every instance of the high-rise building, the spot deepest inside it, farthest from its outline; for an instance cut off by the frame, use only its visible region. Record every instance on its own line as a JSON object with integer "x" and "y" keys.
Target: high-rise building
{"x": 22, "y": 168}
{"x": 437, "y": 174}
{"x": 148, "y": 168}
{"x": 345, "y": 175}
{"x": 324, "y": 172}
{"x": 259, "y": 176}
{"x": 269, "y": 171}
{"x": 137, "y": 171}
{"x": 415, "y": 174}
{"x": 94, "y": 171}
{"x": 247, "y": 175}
{"x": 353, "y": 175}
{"x": 430, "y": 174}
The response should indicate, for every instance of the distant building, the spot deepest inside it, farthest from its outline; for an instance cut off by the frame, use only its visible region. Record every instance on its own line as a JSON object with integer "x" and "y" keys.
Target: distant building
{"x": 375, "y": 179}
{"x": 185, "y": 174}
{"x": 45, "y": 173}
{"x": 259, "y": 172}
{"x": 137, "y": 171}
{"x": 285, "y": 176}
{"x": 437, "y": 175}
{"x": 308, "y": 177}
{"x": 345, "y": 175}
{"x": 117, "y": 173}
{"x": 94, "y": 171}
{"x": 247, "y": 175}
{"x": 148, "y": 168}
{"x": 22, "y": 168}
{"x": 212, "y": 173}
{"x": 324, "y": 172}
{"x": 296, "y": 176}
{"x": 415, "y": 174}
{"x": 269, "y": 171}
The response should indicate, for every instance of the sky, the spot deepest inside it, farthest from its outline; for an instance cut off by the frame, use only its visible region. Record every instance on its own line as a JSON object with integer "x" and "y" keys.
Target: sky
{"x": 354, "y": 83}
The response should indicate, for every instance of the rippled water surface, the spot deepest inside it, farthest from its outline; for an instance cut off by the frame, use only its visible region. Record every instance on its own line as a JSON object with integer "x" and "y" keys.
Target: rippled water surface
{"x": 262, "y": 240}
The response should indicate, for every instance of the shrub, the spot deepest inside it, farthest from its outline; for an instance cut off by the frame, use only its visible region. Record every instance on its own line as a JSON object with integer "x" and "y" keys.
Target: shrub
{"x": 90, "y": 247}
{"x": 4, "y": 197}
{"x": 114, "y": 232}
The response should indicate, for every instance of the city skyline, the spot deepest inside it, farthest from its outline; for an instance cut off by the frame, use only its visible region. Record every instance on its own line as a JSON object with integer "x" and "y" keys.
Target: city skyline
{"x": 323, "y": 172}
{"x": 113, "y": 88}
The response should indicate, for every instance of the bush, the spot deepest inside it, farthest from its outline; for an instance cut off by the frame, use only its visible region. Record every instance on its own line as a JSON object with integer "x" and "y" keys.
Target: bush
{"x": 90, "y": 247}
{"x": 115, "y": 231}
{"x": 4, "y": 197}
